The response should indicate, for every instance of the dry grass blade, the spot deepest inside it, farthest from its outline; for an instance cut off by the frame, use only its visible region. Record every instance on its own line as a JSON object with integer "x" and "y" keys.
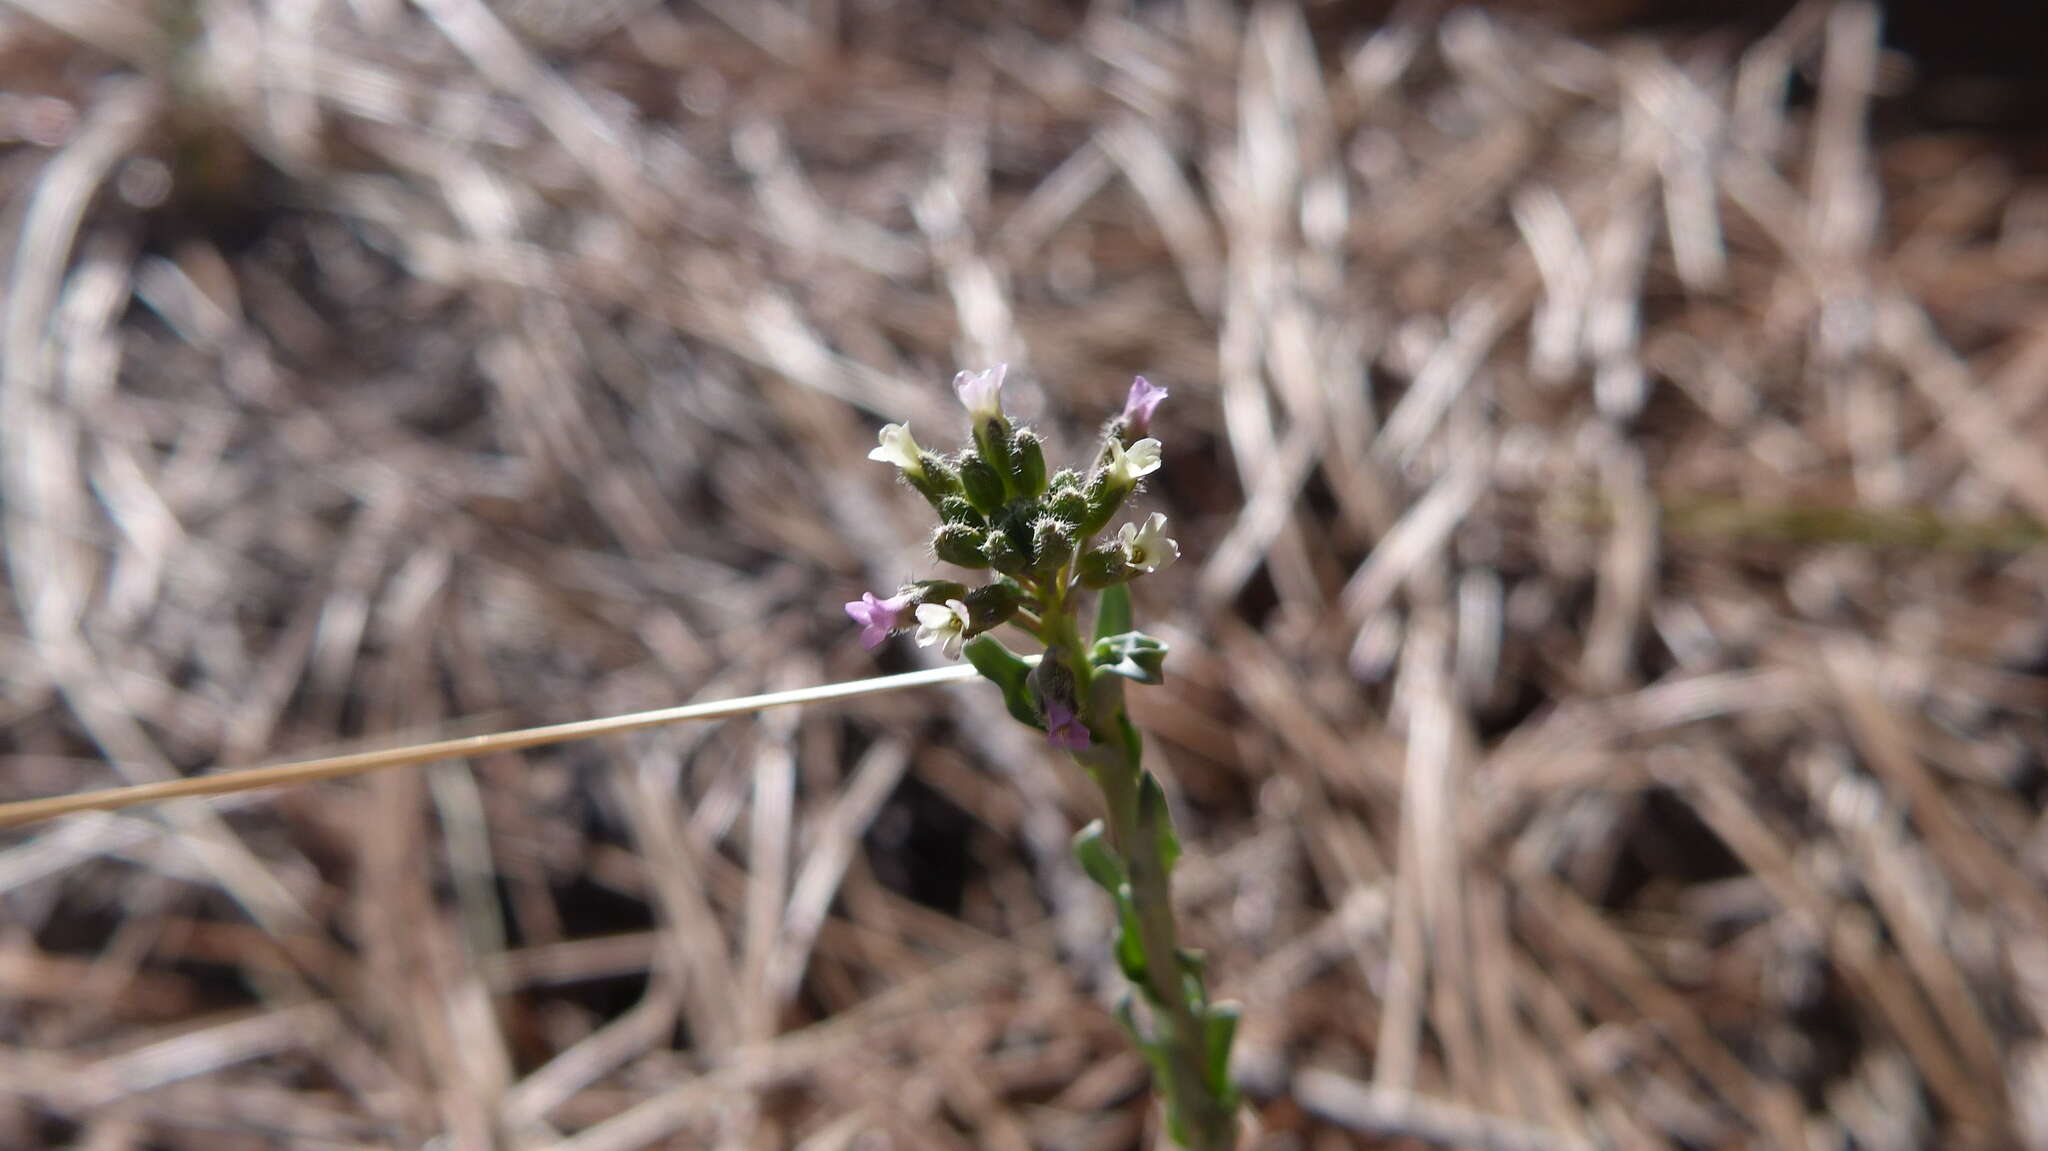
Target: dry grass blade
{"x": 466, "y": 747}
{"x": 1386, "y": 1113}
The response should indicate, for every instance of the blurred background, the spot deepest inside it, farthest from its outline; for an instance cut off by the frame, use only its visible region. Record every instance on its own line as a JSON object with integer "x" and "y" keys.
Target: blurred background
{"x": 1607, "y": 707}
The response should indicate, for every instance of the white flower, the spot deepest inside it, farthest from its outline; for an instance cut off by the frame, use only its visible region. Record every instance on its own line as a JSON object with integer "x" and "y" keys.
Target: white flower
{"x": 1147, "y": 548}
{"x": 1129, "y": 465}
{"x": 898, "y": 448}
{"x": 945, "y": 625}
{"x": 981, "y": 393}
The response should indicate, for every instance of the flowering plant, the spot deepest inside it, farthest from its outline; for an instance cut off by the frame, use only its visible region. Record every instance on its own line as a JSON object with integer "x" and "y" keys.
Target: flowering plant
{"x": 1034, "y": 537}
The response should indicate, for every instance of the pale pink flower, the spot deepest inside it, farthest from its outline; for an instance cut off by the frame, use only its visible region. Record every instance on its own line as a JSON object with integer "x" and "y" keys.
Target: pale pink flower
{"x": 981, "y": 393}
{"x": 1140, "y": 404}
{"x": 878, "y": 617}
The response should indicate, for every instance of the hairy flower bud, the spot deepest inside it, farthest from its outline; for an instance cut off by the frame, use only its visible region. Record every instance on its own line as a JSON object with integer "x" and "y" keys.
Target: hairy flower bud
{"x": 1052, "y": 543}
{"x": 959, "y": 544}
{"x": 1100, "y": 505}
{"x": 991, "y": 606}
{"x": 979, "y": 481}
{"x": 992, "y": 440}
{"x": 1003, "y": 553}
{"x": 1065, "y": 496}
{"x": 926, "y": 591}
{"x": 934, "y": 478}
{"x": 1027, "y": 465}
{"x": 1104, "y": 567}
{"x": 956, "y": 510}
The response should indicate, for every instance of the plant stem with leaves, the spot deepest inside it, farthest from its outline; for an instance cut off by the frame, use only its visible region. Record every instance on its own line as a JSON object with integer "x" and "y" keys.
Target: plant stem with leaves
{"x": 1001, "y": 513}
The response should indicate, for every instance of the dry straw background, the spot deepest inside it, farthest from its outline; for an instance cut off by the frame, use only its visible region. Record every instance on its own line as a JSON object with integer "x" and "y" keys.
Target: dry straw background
{"x": 1609, "y": 689}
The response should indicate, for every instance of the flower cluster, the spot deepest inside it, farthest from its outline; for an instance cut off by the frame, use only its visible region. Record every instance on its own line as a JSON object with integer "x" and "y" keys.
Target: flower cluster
{"x": 1034, "y": 533}
{"x": 1039, "y": 539}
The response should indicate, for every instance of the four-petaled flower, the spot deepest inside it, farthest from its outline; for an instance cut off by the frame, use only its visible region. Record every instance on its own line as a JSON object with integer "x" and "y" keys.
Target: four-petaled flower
{"x": 981, "y": 393}
{"x": 1064, "y": 729}
{"x": 878, "y": 617}
{"x": 1147, "y": 548}
{"x": 943, "y": 624}
{"x": 1129, "y": 465}
{"x": 898, "y": 448}
{"x": 1140, "y": 404}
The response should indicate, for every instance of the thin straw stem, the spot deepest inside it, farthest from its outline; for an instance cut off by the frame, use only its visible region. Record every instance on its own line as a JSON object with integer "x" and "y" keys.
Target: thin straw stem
{"x": 357, "y": 763}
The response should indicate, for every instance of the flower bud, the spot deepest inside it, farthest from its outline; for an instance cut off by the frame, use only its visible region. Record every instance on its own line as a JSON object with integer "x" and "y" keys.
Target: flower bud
{"x": 991, "y": 606}
{"x": 1027, "y": 465}
{"x": 926, "y": 591}
{"x": 1065, "y": 497}
{"x": 992, "y": 440}
{"x": 934, "y": 478}
{"x": 1052, "y": 543}
{"x": 1003, "y": 553}
{"x": 956, "y": 510}
{"x": 979, "y": 481}
{"x": 1100, "y": 504}
{"x": 959, "y": 544}
{"x": 1104, "y": 567}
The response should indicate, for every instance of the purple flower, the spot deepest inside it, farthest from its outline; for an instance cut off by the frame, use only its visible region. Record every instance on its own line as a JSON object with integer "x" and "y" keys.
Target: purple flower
{"x": 878, "y": 617}
{"x": 1064, "y": 729}
{"x": 1142, "y": 402}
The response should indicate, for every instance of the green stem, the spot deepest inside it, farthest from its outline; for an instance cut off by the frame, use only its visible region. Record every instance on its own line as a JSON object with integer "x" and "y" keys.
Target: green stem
{"x": 1206, "y": 1121}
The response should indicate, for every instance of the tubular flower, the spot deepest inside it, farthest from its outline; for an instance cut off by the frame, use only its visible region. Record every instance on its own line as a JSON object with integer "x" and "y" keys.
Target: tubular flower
{"x": 981, "y": 393}
{"x": 878, "y": 617}
{"x": 1064, "y": 729}
{"x": 943, "y": 624}
{"x": 1129, "y": 465}
{"x": 1140, "y": 404}
{"x": 1147, "y": 548}
{"x": 896, "y": 447}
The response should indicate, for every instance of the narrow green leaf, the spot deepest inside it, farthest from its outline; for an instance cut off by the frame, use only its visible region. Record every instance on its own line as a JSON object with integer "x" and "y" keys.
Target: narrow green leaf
{"x": 1113, "y": 614}
{"x": 1152, "y": 813}
{"x": 1127, "y": 1017}
{"x": 1001, "y": 666}
{"x": 1130, "y": 941}
{"x": 1154, "y": 1052}
{"x": 1092, "y": 848}
{"x": 1219, "y": 1030}
{"x": 1176, "y": 1123}
{"x": 1134, "y": 744}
